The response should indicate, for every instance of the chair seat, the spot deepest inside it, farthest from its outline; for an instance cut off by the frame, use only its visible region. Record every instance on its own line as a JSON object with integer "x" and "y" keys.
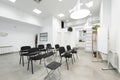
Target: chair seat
{"x": 25, "y": 54}
{"x": 48, "y": 54}
{"x": 73, "y": 51}
{"x": 42, "y": 49}
{"x": 66, "y": 55}
{"x": 53, "y": 65}
{"x": 38, "y": 57}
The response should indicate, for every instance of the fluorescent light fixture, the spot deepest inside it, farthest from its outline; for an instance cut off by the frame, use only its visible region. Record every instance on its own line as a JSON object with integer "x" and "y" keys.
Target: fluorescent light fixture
{"x": 13, "y": 1}
{"x": 60, "y": 0}
{"x": 37, "y": 11}
{"x": 77, "y": 13}
{"x": 89, "y": 4}
{"x": 80, "y": 14}
{"x": 61, "y": 15}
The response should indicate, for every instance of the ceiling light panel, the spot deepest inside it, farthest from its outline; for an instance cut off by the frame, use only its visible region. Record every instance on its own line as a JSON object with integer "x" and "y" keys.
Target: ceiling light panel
{"x": 89, "y": 4}
{"x": 60, "y": 0}
{"x": 61, "y": 15}
{"x": 37, "y": 11}
{"x": 13, "y": 1}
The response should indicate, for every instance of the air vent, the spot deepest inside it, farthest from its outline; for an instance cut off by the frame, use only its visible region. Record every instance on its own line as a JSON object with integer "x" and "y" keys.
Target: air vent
{"x": 37, "y": 1}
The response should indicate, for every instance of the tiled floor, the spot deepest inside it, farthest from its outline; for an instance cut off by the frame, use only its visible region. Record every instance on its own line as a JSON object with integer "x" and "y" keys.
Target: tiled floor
{"x": 82, "y": 69}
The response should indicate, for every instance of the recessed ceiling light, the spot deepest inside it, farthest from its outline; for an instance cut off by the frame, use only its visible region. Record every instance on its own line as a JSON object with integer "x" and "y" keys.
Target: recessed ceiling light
{"x": 60, "y": 0}
{"x": 13, "y": 1}
{"x": 37, "y": 11}
{"x": 89, "y": 4}
{"x": 61, "y": 15}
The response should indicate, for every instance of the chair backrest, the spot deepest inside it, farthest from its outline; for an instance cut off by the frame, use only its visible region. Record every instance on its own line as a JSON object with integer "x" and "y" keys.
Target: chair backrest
{"x": 57, "y": 46}
{"x": 68, "y": 47}
{"x": 61, "y": 50}
{"x": 25, "y": 48}
{"x": 33, "y": 50}
{"x": 41, "y": 46}
{"x": 48, "y": 46}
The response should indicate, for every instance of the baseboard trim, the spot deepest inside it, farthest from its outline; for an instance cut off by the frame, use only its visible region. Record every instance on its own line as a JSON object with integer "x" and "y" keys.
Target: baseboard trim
{"x": 9, "y": 53}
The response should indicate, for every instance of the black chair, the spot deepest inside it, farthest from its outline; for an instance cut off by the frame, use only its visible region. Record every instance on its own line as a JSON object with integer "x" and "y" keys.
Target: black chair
{"x": 65, "y": 54}
{"x": 73, "y": 51}
{"x": 49, "y": 47}
{"x": 57, "y": 47}
{"x": 23, "y": 52}
{"x": 33, "y": 56}
{"x": 52, "y": 66}
{"x": 41, "y": 48}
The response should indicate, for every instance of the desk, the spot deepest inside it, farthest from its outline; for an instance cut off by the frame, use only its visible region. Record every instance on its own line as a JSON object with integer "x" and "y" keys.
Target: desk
{"x": 5, "y": 49}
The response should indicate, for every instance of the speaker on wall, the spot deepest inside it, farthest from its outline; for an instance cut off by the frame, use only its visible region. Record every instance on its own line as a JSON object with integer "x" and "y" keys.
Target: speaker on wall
{"x": 62, "y": 24}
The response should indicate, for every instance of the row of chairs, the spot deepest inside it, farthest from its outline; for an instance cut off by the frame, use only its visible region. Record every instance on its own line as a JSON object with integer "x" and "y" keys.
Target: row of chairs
{"x": 42, "y": 53}
{"x": 67, "y": 54}
{"x": 25, "y": 51}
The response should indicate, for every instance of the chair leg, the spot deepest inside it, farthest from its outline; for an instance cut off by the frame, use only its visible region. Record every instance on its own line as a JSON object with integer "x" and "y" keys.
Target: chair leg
{"x": 28, "y": 64}
{"x": 23, "y": 60}
{"x": 20, "y": 60}
{"x": 44, "y": 63}
{"x": 59, "y": 73}
{"x": 32, "y": 66}
{"x": 61, "y": 60}
{"x": 67, "y": 64}
{"x": 74, "y": 57}
{"x": 27, "y": 58}
{"x": 40, "y": 61}
{"x": 72, "y": 60}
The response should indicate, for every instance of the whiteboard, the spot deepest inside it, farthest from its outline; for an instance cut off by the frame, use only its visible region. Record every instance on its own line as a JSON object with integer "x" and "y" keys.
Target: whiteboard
{"x": 102, "y": 37}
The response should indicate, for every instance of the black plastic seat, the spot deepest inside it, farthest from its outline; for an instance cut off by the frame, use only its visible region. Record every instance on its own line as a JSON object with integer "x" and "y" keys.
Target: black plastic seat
{"x": 73, "y": 51}
{"x": 49, "y": 47}
{"x": 53, "y": 65}
{"x": 65, "y": 54}
{"x": 57, "y": 46}
{"x": 34, "y": 55}
{"x": 48, "y": 54}
{"x": 24, "y": 52}
{"x": 41, "y": 48}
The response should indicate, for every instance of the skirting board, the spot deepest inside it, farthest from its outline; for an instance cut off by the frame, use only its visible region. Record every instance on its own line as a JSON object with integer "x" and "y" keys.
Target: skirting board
{"x": 9, "y": 53}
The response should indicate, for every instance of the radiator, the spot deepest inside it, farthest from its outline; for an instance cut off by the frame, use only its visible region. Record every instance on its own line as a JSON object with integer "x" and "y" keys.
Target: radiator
{"x": 5, "y": 49}
{"x": 113, "y": 59}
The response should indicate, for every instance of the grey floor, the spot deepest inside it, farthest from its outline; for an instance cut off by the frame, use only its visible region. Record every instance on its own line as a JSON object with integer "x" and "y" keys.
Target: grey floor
{"x": 82, "y": 69}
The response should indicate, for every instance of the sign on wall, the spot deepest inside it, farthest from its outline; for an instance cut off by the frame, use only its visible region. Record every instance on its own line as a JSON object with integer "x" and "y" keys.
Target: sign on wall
{"x": 44, "y": 36}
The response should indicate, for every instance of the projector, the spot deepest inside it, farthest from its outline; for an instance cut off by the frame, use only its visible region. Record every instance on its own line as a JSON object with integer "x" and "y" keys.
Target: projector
{"x": 38, "y": 1}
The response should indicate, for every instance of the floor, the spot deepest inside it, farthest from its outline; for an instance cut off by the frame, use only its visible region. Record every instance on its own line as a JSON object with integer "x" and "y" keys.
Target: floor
{"x": 82, "y": 69}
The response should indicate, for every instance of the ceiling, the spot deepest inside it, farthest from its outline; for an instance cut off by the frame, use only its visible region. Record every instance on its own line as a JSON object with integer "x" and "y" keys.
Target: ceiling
{"x": 53, "y": 7}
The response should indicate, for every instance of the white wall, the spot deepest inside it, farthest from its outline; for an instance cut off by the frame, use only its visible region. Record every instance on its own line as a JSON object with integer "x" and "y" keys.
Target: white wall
{"x": 56, "y": 31}
{"x": 104, "y": 26}
{"x": 19, "y": 34}
{"x": 48, "y": 27}
{"x": 57, "y": 35}
{"x": 69, "y": 38}
{"x": 62, "y": 36}
{"x": 115, "y": 27}
{"x": 19, "y": 15}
